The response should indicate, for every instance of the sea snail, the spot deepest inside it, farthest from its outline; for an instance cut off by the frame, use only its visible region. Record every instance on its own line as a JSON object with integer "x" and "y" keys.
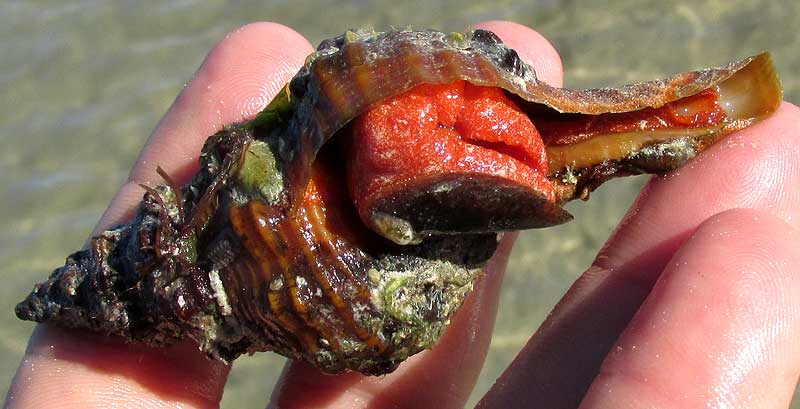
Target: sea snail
{"x": 346, "y": 222}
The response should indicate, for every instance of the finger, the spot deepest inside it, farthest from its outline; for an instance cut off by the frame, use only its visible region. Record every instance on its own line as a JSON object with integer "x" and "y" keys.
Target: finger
{"x": 72, "y": 369}
{"x": 63, "y": 368}
{"x": 756, "y": 168}
{"x": 454, "y": 364}
{"x": 720, "y": 328}
{"x": 532, "y": 47}
{"x": 237, "y": 79}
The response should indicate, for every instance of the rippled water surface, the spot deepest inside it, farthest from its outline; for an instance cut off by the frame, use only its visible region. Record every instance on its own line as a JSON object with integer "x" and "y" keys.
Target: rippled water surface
{"x": 84, "y": 82}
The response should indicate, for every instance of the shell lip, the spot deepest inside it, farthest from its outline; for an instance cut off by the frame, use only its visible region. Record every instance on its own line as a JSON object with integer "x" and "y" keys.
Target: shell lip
{"x": 458, "y": 204}
{"x": 316, "y": 104}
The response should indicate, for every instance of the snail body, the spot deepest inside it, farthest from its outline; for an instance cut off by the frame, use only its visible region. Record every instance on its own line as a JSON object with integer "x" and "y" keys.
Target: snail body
{"x": 294, "y": 237}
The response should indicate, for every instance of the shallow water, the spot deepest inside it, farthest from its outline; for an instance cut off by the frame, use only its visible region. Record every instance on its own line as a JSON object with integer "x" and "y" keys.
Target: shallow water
{"x": 84, "y": 82}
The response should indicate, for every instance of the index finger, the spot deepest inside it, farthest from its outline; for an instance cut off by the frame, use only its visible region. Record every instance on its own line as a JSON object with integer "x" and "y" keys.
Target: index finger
{"x": 65, "y": 368}
{"x": 238, "y": 78}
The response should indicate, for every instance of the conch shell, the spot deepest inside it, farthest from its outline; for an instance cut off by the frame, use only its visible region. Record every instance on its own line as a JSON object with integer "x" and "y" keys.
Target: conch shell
{"x": 264, "y": 250}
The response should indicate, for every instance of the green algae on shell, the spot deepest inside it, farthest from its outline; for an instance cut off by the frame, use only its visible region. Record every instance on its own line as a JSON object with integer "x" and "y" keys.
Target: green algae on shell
{"x": 263, "y": 250}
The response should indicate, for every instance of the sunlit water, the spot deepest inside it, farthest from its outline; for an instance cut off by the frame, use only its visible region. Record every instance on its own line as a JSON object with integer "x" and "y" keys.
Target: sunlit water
{"x": 84, "y": 82}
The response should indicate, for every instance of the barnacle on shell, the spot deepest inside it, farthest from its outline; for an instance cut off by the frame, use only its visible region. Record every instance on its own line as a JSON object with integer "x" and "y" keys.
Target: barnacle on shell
{"x": 297, "y": 236}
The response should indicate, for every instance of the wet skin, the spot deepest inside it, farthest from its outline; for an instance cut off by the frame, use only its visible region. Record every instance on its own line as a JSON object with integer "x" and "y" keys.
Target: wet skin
{"x": 691, "y": 303}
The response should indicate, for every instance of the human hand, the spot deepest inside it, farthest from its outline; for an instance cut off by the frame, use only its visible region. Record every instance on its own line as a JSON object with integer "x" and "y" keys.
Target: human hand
{"x": 67, "y": 368}
{"x": 693, "y": 301}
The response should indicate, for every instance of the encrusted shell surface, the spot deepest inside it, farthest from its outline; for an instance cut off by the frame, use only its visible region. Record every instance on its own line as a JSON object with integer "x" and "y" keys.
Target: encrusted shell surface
{"x": 262, "y": 251}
